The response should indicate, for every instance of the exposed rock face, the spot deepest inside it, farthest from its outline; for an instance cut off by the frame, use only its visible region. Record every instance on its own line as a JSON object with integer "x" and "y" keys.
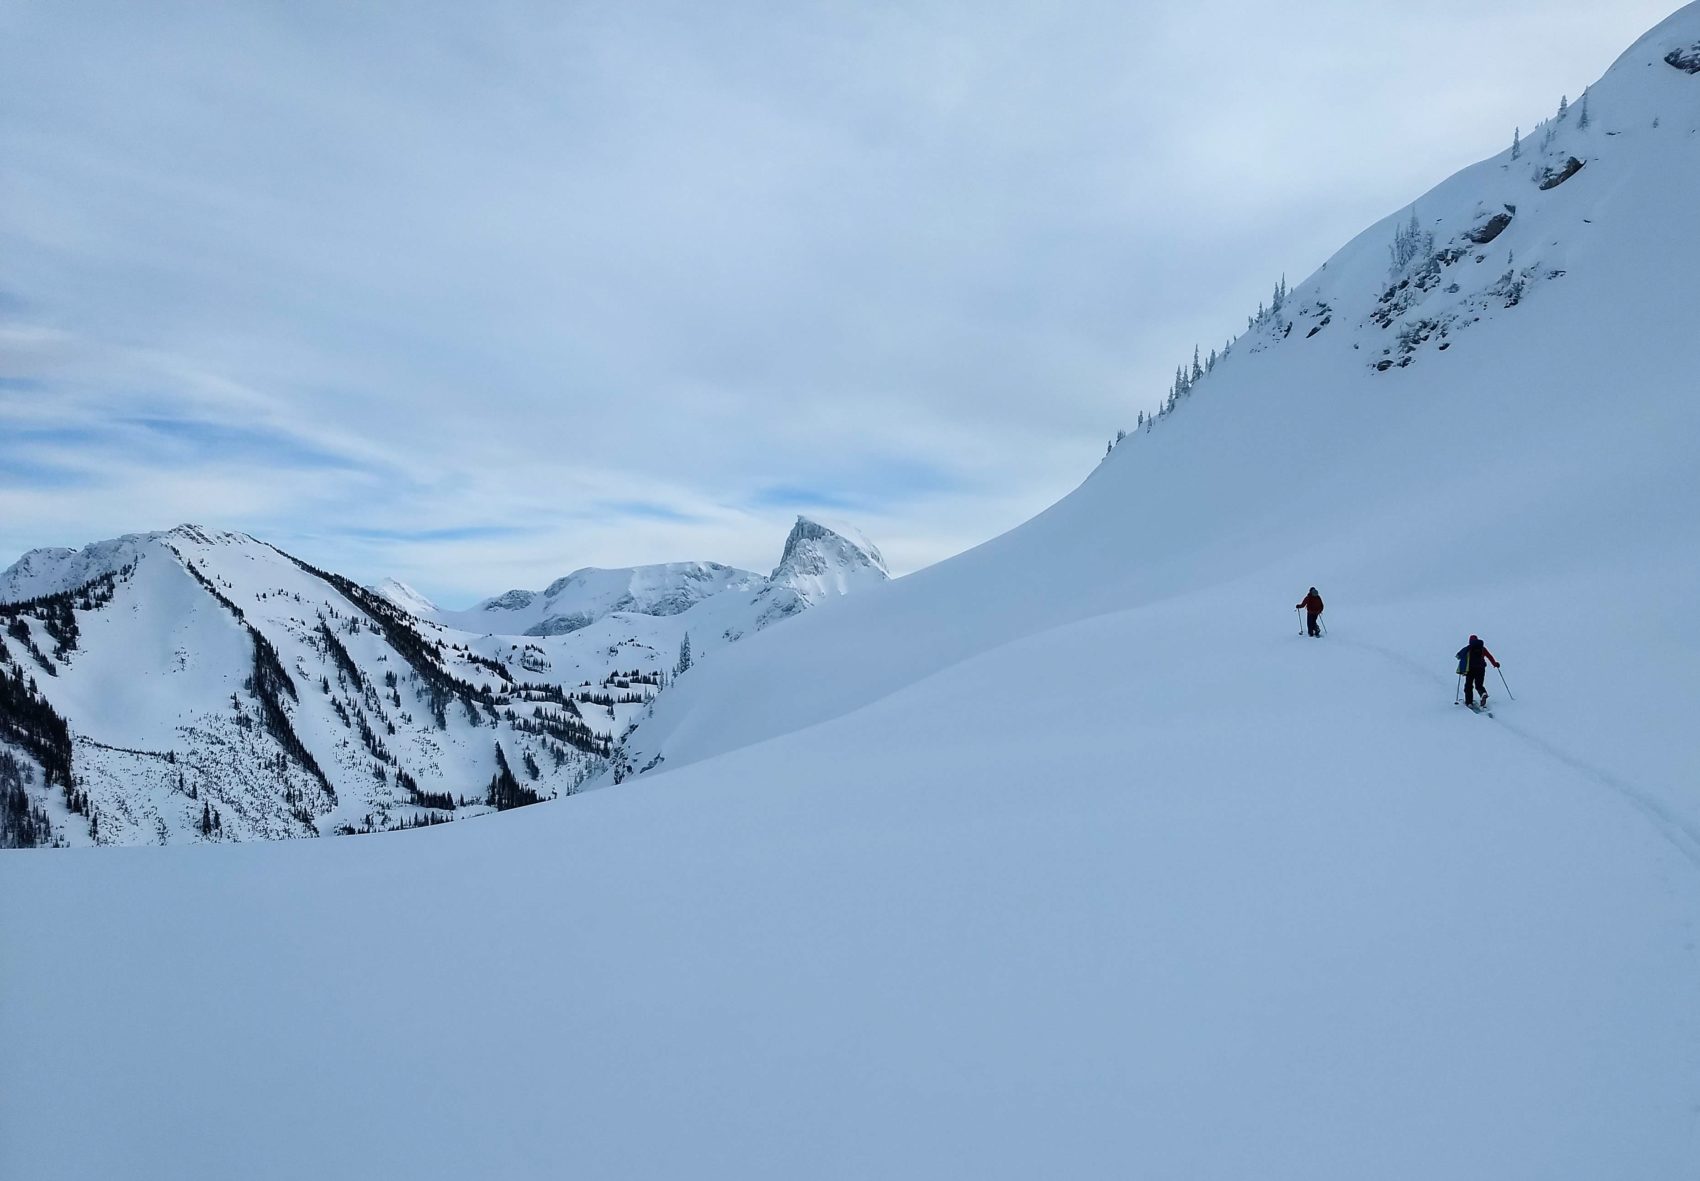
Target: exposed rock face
{"x": 1687, "y": 60}
{"x": 820, "y": 562}
{"x": 1552, "y": 178}
{"x": 1490, "y": 229}
{"x": 514, "y": 600}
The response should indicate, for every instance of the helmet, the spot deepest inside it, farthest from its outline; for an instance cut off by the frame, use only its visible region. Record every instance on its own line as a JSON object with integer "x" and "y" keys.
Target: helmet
{"x": 1475, "y": 640}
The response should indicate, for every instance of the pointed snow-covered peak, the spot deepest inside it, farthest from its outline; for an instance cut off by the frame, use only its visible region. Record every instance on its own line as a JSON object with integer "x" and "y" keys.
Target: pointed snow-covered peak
{"x": 821, "y": 561}
{"x": 405, "y": 597}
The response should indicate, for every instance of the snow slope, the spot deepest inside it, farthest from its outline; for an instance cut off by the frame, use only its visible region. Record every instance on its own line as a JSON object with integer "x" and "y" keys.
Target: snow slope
{"x": 1531, "y": 481}
{"x": 1068, "y": 857}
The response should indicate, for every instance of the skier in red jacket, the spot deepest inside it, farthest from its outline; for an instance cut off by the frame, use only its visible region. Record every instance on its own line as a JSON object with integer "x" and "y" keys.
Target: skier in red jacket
{"x": 1473, "y": 659}
{"x": 1311, "y": 604}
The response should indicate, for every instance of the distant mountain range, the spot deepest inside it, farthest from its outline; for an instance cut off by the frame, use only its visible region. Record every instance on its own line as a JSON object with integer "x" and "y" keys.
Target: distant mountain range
{"x": 200, "y": 684}
{"x": 818, "y": 563}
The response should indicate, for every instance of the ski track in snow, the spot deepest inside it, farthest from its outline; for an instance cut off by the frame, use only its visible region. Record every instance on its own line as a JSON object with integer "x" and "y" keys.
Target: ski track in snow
{"x": 1681, "y": 833}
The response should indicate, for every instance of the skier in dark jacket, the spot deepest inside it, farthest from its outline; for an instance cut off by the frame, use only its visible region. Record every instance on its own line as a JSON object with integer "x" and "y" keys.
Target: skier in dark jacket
{"x": 1473, "y": 659}
{"x": 1312, "y": 607}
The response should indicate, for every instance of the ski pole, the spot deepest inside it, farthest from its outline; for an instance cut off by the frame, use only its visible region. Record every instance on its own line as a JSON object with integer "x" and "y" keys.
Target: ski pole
{"x": 1501, "y": 673}
{"x": 1458, "y": 691}
{"x": 1322, "y": 625}
{"x": 1301, "y": 620}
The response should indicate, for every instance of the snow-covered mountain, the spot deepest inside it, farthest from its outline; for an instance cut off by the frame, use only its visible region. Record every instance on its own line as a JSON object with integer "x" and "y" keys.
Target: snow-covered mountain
{"x": 1068, "y": 856}
{"x": 821, "y": 563}
{"x": 197, "y": 684}
{"x": 585, "y": 596}
{"x": 405, "y": 597}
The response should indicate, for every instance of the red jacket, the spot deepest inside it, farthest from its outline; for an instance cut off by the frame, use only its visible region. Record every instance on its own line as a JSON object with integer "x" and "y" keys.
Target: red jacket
{"x": 1469, "y": 665}
{"x": 1311, "y": 603}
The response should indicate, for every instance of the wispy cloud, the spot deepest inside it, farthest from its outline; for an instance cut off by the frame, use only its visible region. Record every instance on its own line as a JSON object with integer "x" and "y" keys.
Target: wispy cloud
{"x": 649, "y": 510}
{"x": 447, "y": 533}
{"x": 876, "y": 484}
{"x": 475, "y": 296}
{"x": 197, "y": 440}
{"x": 794, "y": 496}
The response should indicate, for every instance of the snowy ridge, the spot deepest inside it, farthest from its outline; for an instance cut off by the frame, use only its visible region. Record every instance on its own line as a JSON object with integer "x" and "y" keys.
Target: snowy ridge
{"x": 55, "y": 571}
{"x": 819, "y": 562}
{"x": 585, "y": 596}
{"x": 1069, "y": 856}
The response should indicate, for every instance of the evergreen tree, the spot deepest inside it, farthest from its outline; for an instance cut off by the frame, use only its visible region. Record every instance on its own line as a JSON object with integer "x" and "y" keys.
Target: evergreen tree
{"x": 1516, "y": 143}
{"x": 1410, "y": 243}
{"x": 1563, "y": 105}
{"x": 684, "y": 661}
{"x": 1582, "y": 119}
{"x": 505, "y": 791}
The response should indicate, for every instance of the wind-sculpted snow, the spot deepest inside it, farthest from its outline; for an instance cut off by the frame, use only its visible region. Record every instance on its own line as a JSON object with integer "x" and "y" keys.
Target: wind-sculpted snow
{"x": 1071, "y": 856}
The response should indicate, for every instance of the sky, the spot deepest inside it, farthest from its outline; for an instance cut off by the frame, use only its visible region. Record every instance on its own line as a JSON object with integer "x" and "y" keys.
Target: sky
{"x": 474, "y": 295}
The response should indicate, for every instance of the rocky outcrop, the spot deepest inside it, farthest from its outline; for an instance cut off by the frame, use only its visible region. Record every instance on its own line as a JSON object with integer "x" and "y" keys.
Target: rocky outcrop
{"x": 1687, "y": 60}
{"x": 820, "y": 562}
{"x": 1551, "y": 178}
{"x": 1486, "y": 231}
